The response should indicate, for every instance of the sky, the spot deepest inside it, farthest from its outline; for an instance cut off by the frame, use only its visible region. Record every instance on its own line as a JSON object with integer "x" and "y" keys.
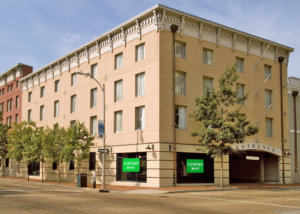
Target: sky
{"x": 37, "y": 32}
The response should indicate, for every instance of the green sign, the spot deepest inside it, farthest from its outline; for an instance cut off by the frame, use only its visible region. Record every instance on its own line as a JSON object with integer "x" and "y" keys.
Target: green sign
{"x": 194, "y": 166}
{"x": 131, "y": 165}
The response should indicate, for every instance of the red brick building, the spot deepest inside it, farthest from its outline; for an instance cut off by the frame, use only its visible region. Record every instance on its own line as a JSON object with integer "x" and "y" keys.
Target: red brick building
{"x": 10, "y": 93}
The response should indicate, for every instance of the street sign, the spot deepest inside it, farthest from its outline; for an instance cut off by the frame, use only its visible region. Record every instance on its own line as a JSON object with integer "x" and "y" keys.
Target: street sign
{"x": 103, "y": 150}
{"x": 100, "y": 128}
{"x": 194, "y": 166}
{"x": 131, "y": 165}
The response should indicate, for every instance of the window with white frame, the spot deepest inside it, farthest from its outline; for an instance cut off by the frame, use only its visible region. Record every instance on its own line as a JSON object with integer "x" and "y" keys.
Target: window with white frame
{"x": 93, "y": 98}
{"x": 207, "y": 85}
{"x": 118, "y": 90}
{"x": 240, "y": 65}
{"x": 269, "y": 127}
{"x": 268, "y": 99}
{"x": 140, "y": 52}
{"x": 42, "y": 112}
{"x": 267, "y": 69}
{"x": 56, "y": 86}
{"x": 56, "y": 108}
{"x": 118, "y": 60}
{"x": 240, "y": 92}
{"x": 93, "y": 125}
{"x": 180, "y": 82}
{"x": 73, "y": 104}
{"x": 179, "y": 49}
{"x": 73, "y": 79}
{"x": 140, "y": 118}
{"x": 140, "y": 84}
{"x": 94, "y": 70}
{"x": 180, "y": 117}
{"x": 118, "y": 121}
{"x": 207, "y": 56}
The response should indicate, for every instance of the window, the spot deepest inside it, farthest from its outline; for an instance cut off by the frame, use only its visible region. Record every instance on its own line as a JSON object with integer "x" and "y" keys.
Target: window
{"x": 240, "y": 93}
{"x": 1, "y": 107}
{"x": 71, "y": 165}
{"x": 55, "y": 126}
{"x": 72, "y": 123}
{"x": 240, "y": 65}
{"x": 29, "y": 115}
{"x": 140, "y": 52}
{"x": 9, "y": 87}
{"x": 73, "y": 103}
{"x": 2, "y": 91}
{"x": 16, "y": 118}
{"x": 94, "y": 70}
{"x": 179, "y": 83}
{"x": 179, "y": 49}
{"x": 140, "y": 118}
{"x": 56, "y": 86}
{"x": 42, "y": 91}
{"x": 207, "y": 56}
{"x": 140, "y": 85}
{"x": 267, "y": 69}
{"x": 7, "y": 162}
{"x": 17, "y": 84}
{"x": 268, "y": 99}
{"x": 9, "y": 105}
{"x": 93, "y": 125}
{"x": 42, "y": 111}
{"x": 29, "y": 96}
{"x": 73, "y": 79}
{"x": 8, "y": 120}
{"x": 139, "y": 173}
{"x": 54, "y": 166}
{"x": 118, "y": 60}
{"x": 17, "y": 102}
{"x": 207, "y": 85}
{"x": 92, "y": 161}
{"x": 269, "y": 127}
{"x": 118, "y": 90}
{"x": 93, "y": 98}
{"x": 180, "y": 117}
{"x": 56, "y": 108}
{"x": 118, "y": 121}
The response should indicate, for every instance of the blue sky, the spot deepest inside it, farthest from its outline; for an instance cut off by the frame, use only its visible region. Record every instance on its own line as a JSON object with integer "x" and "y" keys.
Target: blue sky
{"x": 37, "y": 32}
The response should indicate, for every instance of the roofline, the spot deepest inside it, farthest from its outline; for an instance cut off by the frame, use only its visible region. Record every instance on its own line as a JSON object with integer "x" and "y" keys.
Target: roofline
{"x": 12, "y": 68}
{"x": 146, "y": 12}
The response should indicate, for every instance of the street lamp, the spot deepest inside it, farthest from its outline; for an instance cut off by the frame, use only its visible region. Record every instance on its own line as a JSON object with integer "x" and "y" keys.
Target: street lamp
{"x": 103, "y": 145}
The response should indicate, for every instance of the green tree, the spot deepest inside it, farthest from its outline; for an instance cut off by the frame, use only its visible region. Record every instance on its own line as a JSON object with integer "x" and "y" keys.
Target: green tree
{"x": 222, "y": 124}
{"x": 77, "y": 144}
{"x": 3, "y": 141}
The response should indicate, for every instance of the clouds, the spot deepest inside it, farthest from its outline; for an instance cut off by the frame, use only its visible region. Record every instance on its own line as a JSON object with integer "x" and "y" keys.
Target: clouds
{"x": 43, "y": 31}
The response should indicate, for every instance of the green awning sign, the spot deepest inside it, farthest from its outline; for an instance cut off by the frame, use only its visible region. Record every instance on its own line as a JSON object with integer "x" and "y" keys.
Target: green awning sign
{"x": 131, "y": 165}
{"x": 194, "y": 166}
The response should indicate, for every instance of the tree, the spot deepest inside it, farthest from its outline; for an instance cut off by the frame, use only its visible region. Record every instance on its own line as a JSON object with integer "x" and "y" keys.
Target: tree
{"x": 3, "y": 141}
{"x": 77, "y": 144}
{"x": 222, "y": 124}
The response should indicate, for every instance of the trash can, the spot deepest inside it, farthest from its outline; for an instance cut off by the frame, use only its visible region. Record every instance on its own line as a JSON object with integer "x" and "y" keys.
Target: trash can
{"x": 82, "y": 180}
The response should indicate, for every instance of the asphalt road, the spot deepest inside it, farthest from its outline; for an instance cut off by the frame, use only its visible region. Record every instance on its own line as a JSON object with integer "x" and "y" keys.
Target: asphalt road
{"x": 22, "y": 197}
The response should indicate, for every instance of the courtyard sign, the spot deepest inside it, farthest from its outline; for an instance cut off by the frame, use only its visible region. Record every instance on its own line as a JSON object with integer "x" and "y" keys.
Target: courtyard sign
{"x": 131, "y": 165}
{"x": 194, "y": 166}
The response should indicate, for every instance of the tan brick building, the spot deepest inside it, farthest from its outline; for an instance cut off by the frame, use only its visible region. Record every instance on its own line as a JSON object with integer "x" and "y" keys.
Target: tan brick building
{"x": 143, "y": 121}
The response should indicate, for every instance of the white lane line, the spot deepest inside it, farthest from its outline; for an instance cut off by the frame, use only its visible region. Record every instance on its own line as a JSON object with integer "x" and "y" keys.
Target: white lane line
{"x": 249, "y": 202}
{"x": 245, "y": 196}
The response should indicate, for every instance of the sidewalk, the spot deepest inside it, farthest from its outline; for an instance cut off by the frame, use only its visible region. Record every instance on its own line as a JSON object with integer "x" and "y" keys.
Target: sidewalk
{"x": 152, "y": 190}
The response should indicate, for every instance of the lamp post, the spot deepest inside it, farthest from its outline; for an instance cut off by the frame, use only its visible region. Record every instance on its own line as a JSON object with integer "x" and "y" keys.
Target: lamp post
{"x": 102, "y": 87}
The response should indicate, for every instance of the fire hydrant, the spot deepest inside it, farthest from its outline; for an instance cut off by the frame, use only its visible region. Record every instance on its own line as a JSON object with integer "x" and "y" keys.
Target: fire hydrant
{"x": 94, "y": 180}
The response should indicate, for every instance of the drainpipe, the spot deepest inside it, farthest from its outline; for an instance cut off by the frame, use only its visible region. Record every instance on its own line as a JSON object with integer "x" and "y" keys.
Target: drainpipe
{"x": 280, "y": 60}
{"x": 174, "y": 29}
{"x": 295, "y": 94}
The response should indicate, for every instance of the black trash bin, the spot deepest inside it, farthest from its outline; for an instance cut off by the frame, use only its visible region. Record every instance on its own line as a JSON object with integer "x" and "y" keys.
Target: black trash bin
{"x": 82, "y": 180}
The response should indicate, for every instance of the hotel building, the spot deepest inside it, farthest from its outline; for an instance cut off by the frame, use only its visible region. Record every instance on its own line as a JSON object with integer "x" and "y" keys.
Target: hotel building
{"x": 149, "y": 99}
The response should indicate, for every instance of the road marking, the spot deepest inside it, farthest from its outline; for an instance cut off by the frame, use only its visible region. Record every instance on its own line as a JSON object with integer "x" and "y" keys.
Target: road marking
{"x": 245, "y": 196}
{"x": 249, "y": 202}
{"x": 37, "y": 195}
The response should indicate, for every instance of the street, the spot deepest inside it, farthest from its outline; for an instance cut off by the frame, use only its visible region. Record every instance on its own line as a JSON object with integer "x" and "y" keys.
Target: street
{"x": 22, "y": 197}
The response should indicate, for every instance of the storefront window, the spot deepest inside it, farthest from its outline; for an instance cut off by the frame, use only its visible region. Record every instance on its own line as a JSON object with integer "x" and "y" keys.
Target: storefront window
{"x": 132, "y": 167}
{"x": 195, "y": 168}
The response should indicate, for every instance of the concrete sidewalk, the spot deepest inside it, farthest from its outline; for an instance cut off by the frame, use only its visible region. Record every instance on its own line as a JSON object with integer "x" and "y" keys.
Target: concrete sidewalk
{"x": 154, "y": 190}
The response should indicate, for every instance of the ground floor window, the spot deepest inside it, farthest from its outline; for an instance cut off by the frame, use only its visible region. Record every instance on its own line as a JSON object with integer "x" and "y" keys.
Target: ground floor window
{"x": 7, "y": 162}
{"x": 132, "y": 167}
{"x": 194, "y": 168}
{"x": 34, "y": 168}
